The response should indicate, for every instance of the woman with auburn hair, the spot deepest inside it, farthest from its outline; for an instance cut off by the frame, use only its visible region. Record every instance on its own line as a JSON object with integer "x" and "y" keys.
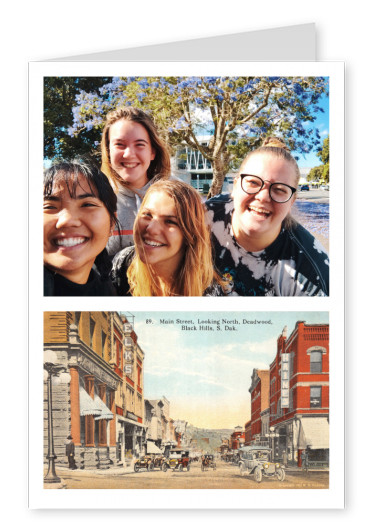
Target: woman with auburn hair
{"x": 134, "y": 157}
{"x": 259, "y": 248}
{"x": 172, "y": 253}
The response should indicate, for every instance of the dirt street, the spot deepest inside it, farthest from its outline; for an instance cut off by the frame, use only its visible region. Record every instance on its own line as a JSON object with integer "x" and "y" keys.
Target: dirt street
{"x": 226, "y": 476}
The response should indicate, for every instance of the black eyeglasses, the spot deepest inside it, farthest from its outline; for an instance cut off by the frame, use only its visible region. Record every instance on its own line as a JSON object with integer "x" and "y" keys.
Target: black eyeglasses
{"x": 279, "y": 192}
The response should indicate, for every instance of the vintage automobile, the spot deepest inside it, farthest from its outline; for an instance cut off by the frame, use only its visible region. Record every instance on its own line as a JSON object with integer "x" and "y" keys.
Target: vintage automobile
{"x": 228, "y": 456}
{"x": 256, "y": 460}
{"x": 235, "y": 457}
{"x": 146, "y": 461}
{"x": 208, "y": 461}
{"x": 178, "y": 459}
{"x": 158, "y": 461}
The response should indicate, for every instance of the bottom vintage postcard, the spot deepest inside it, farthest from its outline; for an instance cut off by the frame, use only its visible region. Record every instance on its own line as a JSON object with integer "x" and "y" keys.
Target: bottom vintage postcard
{"x": 187, "y": 400}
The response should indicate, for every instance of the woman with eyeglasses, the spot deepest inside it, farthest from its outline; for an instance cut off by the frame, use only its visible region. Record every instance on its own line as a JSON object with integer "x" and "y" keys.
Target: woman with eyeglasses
{"x": 259, "y": 248}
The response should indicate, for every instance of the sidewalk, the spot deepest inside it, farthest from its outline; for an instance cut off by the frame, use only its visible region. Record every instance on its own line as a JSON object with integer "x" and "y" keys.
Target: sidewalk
{"x": 294, "y": 469}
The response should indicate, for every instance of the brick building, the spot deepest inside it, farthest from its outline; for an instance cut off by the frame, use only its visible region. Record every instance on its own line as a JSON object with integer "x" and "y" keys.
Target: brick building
{"x": 259, "y": 423}
{"x": 102, "y": 407}
{"x": 85, "y": 407}
{"x": 298, "y": 410}
{"x": 130, "y": 427}
{"x": 130, "y": 406}
{"x": 237, "y": 438}
{"x": 299, "y": 392}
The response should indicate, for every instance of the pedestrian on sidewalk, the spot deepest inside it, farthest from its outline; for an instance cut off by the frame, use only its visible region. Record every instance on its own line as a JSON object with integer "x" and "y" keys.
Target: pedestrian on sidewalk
{"x": 69, "y": 452}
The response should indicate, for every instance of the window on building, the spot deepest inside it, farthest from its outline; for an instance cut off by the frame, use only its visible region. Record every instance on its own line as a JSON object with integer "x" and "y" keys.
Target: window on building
{"x": 292, "y": 362}
{"x": 139, "y": 376}
{"x": 92, "y": 326}
{"x": 316, "y": 361}
{"x": 315, "y": 397}
{"x": 77, "y": 316}
{"x": 104, "y": 337}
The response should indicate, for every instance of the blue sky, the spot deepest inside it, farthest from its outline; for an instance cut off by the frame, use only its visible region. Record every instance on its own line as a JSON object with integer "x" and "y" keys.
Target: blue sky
{"x": 322, "y": 123}
{"x": 206, "y": 375}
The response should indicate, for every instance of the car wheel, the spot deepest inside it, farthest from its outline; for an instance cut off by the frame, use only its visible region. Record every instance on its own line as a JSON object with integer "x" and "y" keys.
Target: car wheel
{"x": 180, "y": 468}
{"x": 164, "y": 467}
{"x": 136, "y": 468}
{"x": 257, "y": 474}
{"x": 281, "y": 474}
{"x": 242, "y": 469}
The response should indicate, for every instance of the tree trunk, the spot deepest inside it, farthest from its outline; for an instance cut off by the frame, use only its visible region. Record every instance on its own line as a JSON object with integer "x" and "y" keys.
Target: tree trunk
{"x": 220, "y": 168}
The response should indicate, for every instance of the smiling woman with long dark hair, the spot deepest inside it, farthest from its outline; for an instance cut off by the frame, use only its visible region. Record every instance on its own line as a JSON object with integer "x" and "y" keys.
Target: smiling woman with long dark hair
{"x": 79, "y": 212}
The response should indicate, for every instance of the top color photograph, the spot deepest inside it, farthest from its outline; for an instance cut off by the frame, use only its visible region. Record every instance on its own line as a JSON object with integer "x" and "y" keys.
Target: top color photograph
{"x": 186, "y": 186}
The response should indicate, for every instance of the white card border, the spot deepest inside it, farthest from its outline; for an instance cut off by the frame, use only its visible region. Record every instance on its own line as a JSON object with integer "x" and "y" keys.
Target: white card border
{"x": 331, "y": 498}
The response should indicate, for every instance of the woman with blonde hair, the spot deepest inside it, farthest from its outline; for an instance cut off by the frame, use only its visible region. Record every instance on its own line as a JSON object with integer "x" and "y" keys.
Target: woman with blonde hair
{"x": 134, "y": 156}
{"x": 259, "y": 247}
{"x": 172, "y": 254}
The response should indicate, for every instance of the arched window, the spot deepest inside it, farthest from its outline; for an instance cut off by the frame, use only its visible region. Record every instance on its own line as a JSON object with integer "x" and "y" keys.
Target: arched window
{"x": 316, "y": 354}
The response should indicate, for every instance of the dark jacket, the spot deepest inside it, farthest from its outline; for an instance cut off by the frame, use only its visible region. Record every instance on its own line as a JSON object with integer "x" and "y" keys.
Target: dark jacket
{"x": 98, "y": 284}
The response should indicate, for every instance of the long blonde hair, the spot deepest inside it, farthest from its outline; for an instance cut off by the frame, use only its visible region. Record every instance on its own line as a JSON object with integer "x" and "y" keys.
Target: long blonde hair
{"x": 160, "y": 167}
{"x": 196, "y": 271}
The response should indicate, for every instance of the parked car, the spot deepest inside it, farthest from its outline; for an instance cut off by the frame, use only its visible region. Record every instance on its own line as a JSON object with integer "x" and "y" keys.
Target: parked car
{"x": 256, "y": 460}
{"x": 178, "y": 459}
{"x": 304, "y": 187}
{"x": 325, "y": 187}
{"x": 144, "y": 462}
{"x": 208, "y": 461}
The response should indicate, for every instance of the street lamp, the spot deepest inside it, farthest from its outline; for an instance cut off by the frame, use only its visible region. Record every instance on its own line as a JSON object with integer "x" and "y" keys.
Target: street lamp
{"x": 272, "y": 435}
{"x": 53, "y": 370}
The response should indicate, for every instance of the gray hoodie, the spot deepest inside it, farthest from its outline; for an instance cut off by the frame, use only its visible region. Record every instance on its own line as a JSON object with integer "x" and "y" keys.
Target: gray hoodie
{"x": 128, "y": 204}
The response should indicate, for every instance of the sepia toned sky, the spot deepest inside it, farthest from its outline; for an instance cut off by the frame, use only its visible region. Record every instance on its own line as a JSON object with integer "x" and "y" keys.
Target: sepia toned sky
{"x": 206, "y": 374}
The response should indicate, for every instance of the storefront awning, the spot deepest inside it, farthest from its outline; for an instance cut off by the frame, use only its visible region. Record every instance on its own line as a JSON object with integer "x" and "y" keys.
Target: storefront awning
{"x": 152, "y": 448}
{"x": 314, "y": 432}
{"x": 129, "y": 421}
{"x": 105, "y": 413}
{"x": 87, "y": 405}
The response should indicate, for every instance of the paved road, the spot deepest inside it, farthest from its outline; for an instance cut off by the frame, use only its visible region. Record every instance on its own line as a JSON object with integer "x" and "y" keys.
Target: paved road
{"x": 311, "y": 209}
{"x": 226, "y": 476}
{"x": 315, "y": 196}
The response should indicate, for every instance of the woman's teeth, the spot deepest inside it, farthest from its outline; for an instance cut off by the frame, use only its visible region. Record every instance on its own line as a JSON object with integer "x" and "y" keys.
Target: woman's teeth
{"x": 153, "y": 244}
{"x": 69, "y": 242}
{"x": 259, "y": 211}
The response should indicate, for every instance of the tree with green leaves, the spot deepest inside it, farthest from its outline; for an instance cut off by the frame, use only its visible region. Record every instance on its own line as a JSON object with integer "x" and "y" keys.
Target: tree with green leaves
{"x": 321, "y": 173}
{"x": 59, "y": 98}
{"x": 236, "y": 112}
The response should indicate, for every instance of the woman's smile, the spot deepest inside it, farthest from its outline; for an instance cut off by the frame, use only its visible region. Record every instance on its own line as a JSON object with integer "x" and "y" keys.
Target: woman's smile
{"x": 159, "y": 239}
{"x": 131, "y": 152}
{"x": 76, "y": 230}
{"x": 257, "y": 219}
{"x": 152, "y": 243}
{"x": 67, "y": 243}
